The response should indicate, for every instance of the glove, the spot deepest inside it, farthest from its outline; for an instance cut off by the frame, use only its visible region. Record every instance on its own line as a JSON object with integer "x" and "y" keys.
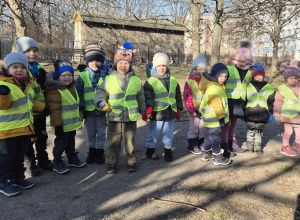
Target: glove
{"x": 4, "y": 90}
{"x": 147, "y": 114}
{"x": 178, "y": 115}
{"x": 199, "y": 115}
{"x": 271, "y": 119}
{"x": 222, "y": 122}
{"x": 105, "y": 107}
{"x": 59, "y": 130}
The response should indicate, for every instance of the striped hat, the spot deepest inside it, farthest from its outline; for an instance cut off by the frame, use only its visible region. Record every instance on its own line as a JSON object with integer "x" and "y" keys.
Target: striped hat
{"x": 93, "y": 52}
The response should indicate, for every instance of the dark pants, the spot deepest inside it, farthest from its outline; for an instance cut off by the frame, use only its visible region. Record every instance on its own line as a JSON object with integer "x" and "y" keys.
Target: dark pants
{"x": 212, "y": 140}
{"x": 41, "y": 142}
{"x": 12, "y": 152}
{"x": 64, "y": 143}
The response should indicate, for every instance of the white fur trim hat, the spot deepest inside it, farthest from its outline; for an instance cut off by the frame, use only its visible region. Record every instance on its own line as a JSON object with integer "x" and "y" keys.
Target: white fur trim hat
{"x": 161, "y": 59}
{"x": 200, "y": 61}
{"x": 25, "y": 43}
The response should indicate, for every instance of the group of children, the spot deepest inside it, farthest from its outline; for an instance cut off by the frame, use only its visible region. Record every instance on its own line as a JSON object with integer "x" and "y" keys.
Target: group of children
{"x": 109, "y": 99}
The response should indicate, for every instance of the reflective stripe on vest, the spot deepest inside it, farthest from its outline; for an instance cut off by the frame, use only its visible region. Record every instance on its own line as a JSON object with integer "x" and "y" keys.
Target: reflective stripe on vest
{"x": 120, "y": 100}
{"x": 89, "y": 92}
{"x": 291, "y": 104}
{"x": 69, "y": 111}
{"x": 209, "y": 116}
{"x": 260, "y": 98}
{"x": 163, "y": 99}
{"x": 236, "y": 89}
{"x": 19, "y": 114}
{"x": 197, "y": 94}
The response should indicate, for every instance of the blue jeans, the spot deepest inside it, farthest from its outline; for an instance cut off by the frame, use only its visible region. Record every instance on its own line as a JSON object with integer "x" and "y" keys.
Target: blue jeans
{"x": 96, "y": 131}
{"x": 155, "y": 128}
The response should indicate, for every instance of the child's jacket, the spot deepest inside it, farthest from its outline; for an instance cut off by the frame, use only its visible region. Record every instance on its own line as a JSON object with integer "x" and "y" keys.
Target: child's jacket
{"x": 192, "y": 94}
{"x": 63, "y": 103}
{"x": 124, "y": 93}
{"x": 214, "y": 105}
{"x": 16, "y": 108}
{"x": 166, "y": 103}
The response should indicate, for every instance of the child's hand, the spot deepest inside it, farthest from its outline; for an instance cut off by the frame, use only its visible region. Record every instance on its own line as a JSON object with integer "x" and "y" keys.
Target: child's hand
{"x": 105, "y": 107}
{"x": 222, "y": 122}
{"x": 148, "y": 114}
{"x": 178, "y": 115}
{"x": 271, "y": 119}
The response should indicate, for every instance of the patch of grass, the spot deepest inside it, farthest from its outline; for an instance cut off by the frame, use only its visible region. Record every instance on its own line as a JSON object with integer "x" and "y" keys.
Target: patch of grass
{"x": 283, "y": 167}
{"x": 219, "y": 214}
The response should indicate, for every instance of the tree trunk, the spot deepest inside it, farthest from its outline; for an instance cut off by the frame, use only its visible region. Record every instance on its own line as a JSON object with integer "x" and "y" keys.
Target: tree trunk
{"x": 195, "y": 28}
{"x": 274, "y": 70}
{"x": 217, "y": 33}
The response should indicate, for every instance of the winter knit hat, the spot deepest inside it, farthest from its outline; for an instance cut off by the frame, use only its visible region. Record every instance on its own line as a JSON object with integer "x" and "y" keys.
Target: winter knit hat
{"x": 93, "y": 52}
{"x": 161, "y": 59}
{"x": 25, "y": 43}
{"x": 291, "y": 70}
{"x": 124, "y": 52}
{"x": 217, "y": 70}
{"x": 15, "y": 57}
{"x": 258, "y": 69}
{"x": 200, "y": 61}
{"x": 244, "y": 54}
{"x": 62, "y": 66}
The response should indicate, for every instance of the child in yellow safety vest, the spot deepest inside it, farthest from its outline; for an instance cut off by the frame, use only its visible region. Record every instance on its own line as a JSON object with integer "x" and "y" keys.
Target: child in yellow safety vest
{"x": 121, "y": 95}
{"x": 30, "y": 48}
{"x": 164, "y": 104}
{"x": 287, "y": 108}
{"x": 259, "y": 107}
{"x": 16, "y": 122}
{"x": 63, "y": 102}
{"x": 192, "y": 97}
{"x": 215, "y": 113}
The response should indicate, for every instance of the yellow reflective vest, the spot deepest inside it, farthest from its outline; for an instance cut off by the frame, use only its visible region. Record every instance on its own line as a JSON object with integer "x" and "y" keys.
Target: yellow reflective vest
{"x": 291, "y": 104}
{"x": 209, "y": 116}
{"x": 69, "y": 111}
{"x": 163, "y": 99}
{"x": 235, "y": 89}
{"x": 197, "y": 94}
{"x": 19, "y": 114}
{"x": 89, "y": 91}
{"x": 119, "y": 100}
{"x": 260, "y": 98}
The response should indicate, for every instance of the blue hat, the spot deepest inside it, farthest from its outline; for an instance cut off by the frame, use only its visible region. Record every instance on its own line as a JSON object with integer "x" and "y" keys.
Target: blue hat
{"x": 61, "y": 70}
{"x": 217, "y": 70}
{"x": 258, "y": 69}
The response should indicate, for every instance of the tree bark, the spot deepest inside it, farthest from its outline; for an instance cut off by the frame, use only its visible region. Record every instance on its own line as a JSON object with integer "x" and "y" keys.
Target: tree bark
{"x": 195, "y": 28}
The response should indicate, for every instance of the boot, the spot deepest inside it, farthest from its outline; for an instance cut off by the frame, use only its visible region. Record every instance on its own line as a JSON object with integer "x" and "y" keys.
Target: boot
{"x": 168, "y": 154}
{"x": 193, "y": 146}
{"x": 73, "y": 161}
{"x": 91, "y": 158}
{"x": 44, "y": 162}
{"x": 230, "y": 149}
{"x": 250, "y": 146}
{"x": 100, "y": 159}
{"x": 226, "y": 152}
{"x": 200, "y": 143}
{"x": 151, "y": 154}
{"x": 288, "y": 151}
{"x": 258, "y": 148}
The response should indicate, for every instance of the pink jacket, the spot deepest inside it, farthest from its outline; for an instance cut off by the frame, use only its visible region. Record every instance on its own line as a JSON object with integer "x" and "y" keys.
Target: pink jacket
{"x": 278, "y": 103}
{"x": 188, "y": 95}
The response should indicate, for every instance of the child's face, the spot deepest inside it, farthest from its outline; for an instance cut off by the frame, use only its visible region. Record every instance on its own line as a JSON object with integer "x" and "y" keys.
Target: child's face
{"x": 66, "y": 78}
{"x": 222, "y": 78}
{"x": 292, "y": 81}
{"x": 32, "y": 54}
{"x": 95, "y": 65}
{"x": 123, "y": 67}
{"x": 258, "y": 78}
{"x": 161, "y": 69}
{"x": 17, "y": 70}
{"x": 197, "y": 71}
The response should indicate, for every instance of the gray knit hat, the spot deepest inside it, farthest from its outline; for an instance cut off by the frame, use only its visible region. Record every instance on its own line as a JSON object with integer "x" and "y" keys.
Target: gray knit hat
{"x": 200, "y": 61}
{"x": 15, "y": 57}
{"x": 25, "y": 43}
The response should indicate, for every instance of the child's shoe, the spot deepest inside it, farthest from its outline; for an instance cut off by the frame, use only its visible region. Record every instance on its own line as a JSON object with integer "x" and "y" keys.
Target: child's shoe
{"x": 194, "y": 146}
{"x": 46, "y": 165}
{"x": 100, "y": 159}
{"x": 151, "y": 154}
{"x": 288, "y": 151}
{"x": 226, "y": 161}
{"x": 34, "y": 169}
{"x": 73, "y": 161}
{"x": 91, "y": 158}
{"x": 8, "y": 189}
{"x": 168, "y": 154}
{"x": 24, "y": 184}
{"x": 217, "y": 160}
{"x": 297, "y": 147}
{"x": 111, "y": 169}
{"x": 205, "y": 155}
{"x": 131, "y": 167}
{"x": 237, "y": 148}
{"x": 196, "y": 150}
{"x": 60, "y": 167}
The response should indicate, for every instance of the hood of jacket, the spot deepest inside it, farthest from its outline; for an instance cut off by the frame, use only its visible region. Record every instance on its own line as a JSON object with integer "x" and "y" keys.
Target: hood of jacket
{"x": 152, "y": 72}
{"x": 208, "y": 81}
{"x": 55, "y": 84}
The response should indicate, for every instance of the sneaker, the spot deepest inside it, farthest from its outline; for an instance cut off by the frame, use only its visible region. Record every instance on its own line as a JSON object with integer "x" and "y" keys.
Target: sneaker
{"x": 131, "y": 167}
{"x": 24, "y": 184}
{"x": 60, "y": 167}
{"x": 111, "y": 169}
{"x": 46, "y": 165}
{"x": 73, "y": 161}
{"x": 226, "y": 161}
{"x": 151, "y": 154}
{"x": 196, "y": 150}
{"x": 35, "y": 170}
{"x": 205, "y": 156}
{"x": 288, "y": 151}
{"x": 297, "y": 147}
{"x": 237, "y": 148}
{"x": 168, "y": 154}
{"x": 232, "y": 154}
{"x": 217, "y": 160}
{"x": 8, "y": 189}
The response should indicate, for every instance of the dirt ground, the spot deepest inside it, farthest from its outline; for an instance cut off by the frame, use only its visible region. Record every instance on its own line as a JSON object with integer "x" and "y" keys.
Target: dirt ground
{"x": 252, "y": 187}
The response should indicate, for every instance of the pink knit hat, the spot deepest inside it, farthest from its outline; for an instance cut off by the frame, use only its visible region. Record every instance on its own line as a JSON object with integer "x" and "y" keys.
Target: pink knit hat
{"x": 244, "y": 54}
{"x": 291, "y": 70}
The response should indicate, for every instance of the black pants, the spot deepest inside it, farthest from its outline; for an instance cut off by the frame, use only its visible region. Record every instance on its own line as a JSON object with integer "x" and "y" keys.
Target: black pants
{"x": 64, "y": 143}
{"x": 12, "y": 152}
{"x": 41, "y": 142}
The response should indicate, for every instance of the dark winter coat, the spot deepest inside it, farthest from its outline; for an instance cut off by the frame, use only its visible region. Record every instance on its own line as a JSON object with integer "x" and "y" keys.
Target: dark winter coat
{"x": 168, "y": 113}
{"x": 259, "y": 114}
